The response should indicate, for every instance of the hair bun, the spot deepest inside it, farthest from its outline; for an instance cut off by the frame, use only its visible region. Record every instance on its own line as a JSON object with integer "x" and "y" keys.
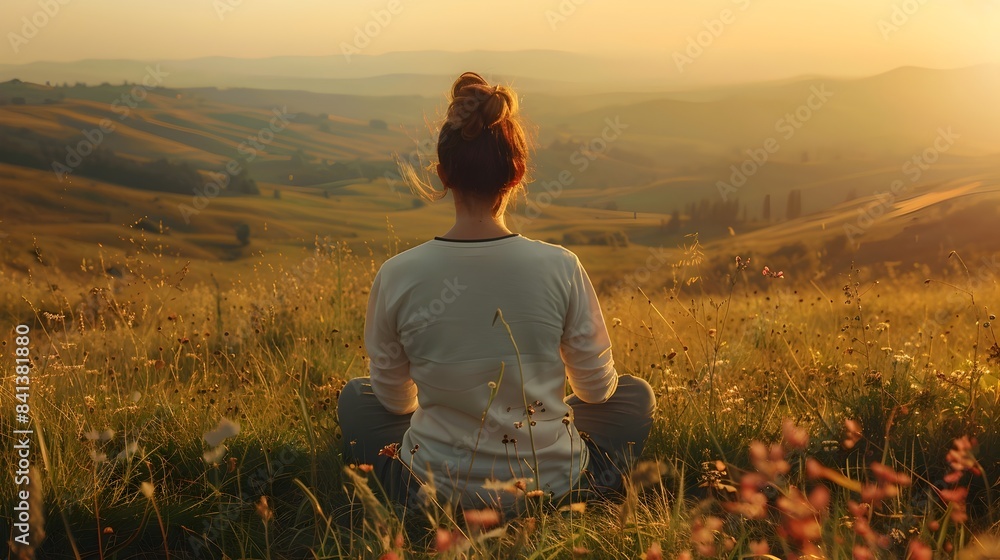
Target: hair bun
{"x": 476, "y": 105}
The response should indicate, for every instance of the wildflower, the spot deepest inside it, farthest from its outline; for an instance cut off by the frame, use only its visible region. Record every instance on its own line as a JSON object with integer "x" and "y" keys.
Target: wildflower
{"x": 647, "y": 473}
{"x": 391, "y": 451}
{"x": 956, "y": 497}
{"x": 264, "y": 510}
{"x": 961, "y": 458}
{"x": 759, "y": 548}
{"x": 130, "y": 449}
{"x": 226, "y": 429}
{"x": 654, "y": 552}
{"x": 773, "y": 274}
{"x": 983, "y": 547}
{"x": 886, "y": 475}
{"x": 769, "y": 461}
{"x": 445, "y": 540}
{"x": 97, "y": 456}
{"x": 214, "y": 455}
{"x": 819, "y": 498}
{"x": 94, "y": 435}
{"x": 861, "y": 527}
{"x": 862, "y": 552}
{"x": 512, "y": 486}
{"x": 752, "y": 503}
{"x": 902, "y": 358}
{"x": 575, "y": 507}
{"x": 703, "y": 535}
{"x": 793, "y": 436}
{"x": 365, "y": 468}
{"x": 482, "y": 518}
{"x": 853, "y": 433}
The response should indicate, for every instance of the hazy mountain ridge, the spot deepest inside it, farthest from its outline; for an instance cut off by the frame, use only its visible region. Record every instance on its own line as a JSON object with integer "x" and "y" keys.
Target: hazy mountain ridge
{"x": 552, "y": 71}
{"x": 629, "y": 160}
{"x": 398, "y": 73}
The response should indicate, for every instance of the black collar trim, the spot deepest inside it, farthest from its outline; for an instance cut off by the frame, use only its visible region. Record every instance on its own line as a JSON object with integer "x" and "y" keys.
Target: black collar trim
{"x": 477, "y": 240}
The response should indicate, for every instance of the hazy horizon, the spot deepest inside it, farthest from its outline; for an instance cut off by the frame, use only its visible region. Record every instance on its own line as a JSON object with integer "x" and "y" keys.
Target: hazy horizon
{"x": 722, "y": 41}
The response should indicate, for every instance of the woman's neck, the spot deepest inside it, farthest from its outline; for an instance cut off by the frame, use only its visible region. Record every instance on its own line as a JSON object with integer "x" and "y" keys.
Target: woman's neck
{"x": 476, "y": 223}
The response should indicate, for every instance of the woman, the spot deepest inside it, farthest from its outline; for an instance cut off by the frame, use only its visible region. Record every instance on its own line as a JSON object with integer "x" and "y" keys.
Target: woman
{"x": 485, "y": 423}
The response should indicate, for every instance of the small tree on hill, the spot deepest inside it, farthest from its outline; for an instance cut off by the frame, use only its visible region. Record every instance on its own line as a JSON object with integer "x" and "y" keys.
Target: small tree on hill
{"x": 243, "y": 234}
{"x": 794, "y": 207}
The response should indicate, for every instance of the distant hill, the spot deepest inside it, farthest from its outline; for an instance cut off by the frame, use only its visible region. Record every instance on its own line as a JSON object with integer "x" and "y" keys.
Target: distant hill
{"x": 384, "y": 74}
{"x": 642, "y": 168}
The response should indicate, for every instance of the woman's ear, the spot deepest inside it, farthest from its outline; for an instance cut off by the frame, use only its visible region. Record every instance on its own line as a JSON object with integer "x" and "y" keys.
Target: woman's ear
{"x": 518, "y": 174}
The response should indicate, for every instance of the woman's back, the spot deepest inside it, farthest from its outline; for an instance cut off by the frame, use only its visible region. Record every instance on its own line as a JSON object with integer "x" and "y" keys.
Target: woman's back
{"x": 433, "y": 336}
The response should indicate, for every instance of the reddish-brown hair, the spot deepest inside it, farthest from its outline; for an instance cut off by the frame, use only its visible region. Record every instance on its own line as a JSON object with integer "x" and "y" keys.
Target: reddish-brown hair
{"x": 482, "y": 148}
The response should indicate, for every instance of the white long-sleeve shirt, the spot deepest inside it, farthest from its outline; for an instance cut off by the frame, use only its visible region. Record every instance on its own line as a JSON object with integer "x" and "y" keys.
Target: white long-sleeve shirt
{"x": 435, "y": 349}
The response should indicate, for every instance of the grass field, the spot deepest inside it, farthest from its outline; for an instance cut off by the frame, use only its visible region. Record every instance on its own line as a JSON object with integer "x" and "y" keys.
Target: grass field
{"x": 840, "y": 378}
{"x": 184, "y": 379}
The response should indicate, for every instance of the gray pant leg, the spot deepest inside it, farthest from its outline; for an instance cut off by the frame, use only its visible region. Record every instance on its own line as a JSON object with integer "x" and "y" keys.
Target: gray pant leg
{"x": 367, "y": 427}
{"x": 618, "y": 428}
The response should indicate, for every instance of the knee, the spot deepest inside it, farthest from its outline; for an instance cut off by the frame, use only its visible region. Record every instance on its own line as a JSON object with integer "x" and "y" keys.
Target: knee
{"x": 350, "y": 395}
{"x": 637, "y": 392}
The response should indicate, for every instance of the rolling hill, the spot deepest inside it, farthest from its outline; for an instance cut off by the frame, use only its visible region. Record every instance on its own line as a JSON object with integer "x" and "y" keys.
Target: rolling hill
{"x": 627, "y": 162}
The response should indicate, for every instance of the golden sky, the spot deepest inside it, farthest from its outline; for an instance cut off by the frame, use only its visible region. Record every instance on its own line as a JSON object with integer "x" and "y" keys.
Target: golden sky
{"x": 772, "y": 38}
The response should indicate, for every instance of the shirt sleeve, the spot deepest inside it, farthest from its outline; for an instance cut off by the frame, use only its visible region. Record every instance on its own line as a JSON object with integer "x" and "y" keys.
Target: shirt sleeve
{"x": 390, "y": 367}
{"x": 586, "y": 346}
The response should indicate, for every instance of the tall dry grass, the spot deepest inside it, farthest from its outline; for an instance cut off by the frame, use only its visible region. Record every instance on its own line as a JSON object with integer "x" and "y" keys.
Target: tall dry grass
{"x": 846, "y": 419}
